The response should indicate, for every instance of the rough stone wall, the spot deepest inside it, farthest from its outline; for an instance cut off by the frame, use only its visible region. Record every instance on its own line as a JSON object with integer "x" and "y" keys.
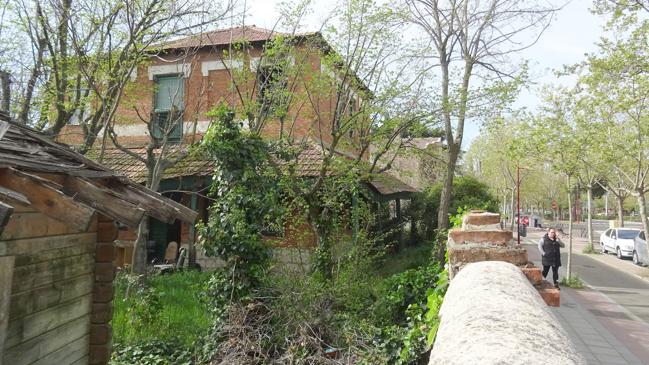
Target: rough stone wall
{"x": 492, "y": 315}
{"x": 481, "y": 239}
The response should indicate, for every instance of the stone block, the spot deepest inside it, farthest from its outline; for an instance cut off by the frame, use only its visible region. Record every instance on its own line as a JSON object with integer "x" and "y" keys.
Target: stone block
{"x": 100, "y": 334}
{"x": 105, "y": 252}
{"x": 99, "y": 354}
{"x": 102, "y": 293}
{"x": 533, "y": 274}
{"x": 481, "y": 219}
{"x": 513, "y": 255}
{"x": 107, "y": 231}
{"x": 104, "y": 272}
{"x": 101, "y": 313}
{"x": 551, "y": 295}
{"x": 499, "y": 238}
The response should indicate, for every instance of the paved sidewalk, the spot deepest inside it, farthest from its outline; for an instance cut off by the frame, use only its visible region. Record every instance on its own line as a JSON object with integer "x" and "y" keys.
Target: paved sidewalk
{"x": 604, "y": 332}
{"x": 594, "y": 341}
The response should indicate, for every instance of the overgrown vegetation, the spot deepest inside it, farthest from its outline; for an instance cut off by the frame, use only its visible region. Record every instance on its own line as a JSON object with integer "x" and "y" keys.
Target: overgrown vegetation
{"x": 159, "y": 322}
{"x": 574, "y": 281}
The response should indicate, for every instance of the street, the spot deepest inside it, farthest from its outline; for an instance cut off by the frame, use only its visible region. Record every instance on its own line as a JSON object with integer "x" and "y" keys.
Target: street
{"x": 617, "y": 301}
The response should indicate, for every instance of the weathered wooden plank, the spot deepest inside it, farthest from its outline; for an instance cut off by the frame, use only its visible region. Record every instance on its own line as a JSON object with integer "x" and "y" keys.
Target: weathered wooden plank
{"x": 104, "y": 200}
{"x": 82, "y": 361}
{"x": 6, "y": 275}
{"x": 47, "y": 296}
{"x": 44, "y": 273}
{"x": 34, "y": 349}
{"x": 13, "y": 195}
{"x": 6, "y": 211}
{"x": 68, "y": 354}
{"x": 47, "y": 199}
{"x": 32, "y": 326}
{"x": 33, "y": 246}
{"x": 155, "y": 205}
{"x": 84, "y": 247}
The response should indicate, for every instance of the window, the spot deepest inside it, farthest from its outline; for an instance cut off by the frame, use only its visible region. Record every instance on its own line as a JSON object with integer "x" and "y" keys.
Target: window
{"x": 613, "y": 235}
{"x": 168, "y": 108}
{"x": 608, "y": 233}
{"x": 641, "y": 235}
{"x": 271, "y": 81}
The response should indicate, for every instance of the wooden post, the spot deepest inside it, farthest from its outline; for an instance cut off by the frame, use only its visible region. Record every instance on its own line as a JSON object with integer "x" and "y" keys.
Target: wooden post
{"x": 6, "y": 280}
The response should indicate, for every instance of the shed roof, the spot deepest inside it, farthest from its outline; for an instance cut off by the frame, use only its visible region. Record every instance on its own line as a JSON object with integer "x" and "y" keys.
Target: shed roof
{"x": 69, "y": 187}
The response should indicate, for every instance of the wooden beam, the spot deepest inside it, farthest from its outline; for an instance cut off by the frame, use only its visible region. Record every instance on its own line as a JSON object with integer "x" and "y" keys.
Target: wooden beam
{"x": 13, "y": 196}
{"x": 45, "y": 198}
{"x": 6, "y": 211}
{"x": 155, "y": 205}
{"x": 103, "y": 200}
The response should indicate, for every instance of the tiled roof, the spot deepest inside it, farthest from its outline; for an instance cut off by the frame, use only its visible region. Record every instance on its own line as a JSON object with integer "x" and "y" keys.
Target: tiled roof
{"x": 225, "y": 36}
{"x": 308, "y": 164}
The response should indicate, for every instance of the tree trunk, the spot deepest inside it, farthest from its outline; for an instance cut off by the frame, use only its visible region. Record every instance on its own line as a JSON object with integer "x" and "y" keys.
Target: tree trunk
{"x": 569, "y": 265}
{"x": 620, "y": 210}
{"x": 5, "y": 80}
{"x": 139, "y": 260}
{"x": 590, "y": 217}
{"x": 445, "y": 199}
{"x": 642, "y": 205}
{"x": 512, "y": 219}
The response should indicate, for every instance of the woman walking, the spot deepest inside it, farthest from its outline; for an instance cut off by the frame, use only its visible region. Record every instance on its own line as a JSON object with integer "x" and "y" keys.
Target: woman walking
{"x": 549, "y": 246}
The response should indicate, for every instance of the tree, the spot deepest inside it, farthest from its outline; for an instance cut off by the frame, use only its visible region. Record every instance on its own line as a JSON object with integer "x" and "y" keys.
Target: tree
{"x": 473, "y": 40}
{"x": 554, "y": 137}
{"x": 618, "y": 78}
{"x": 358, "y": 92}
{"x": 85, "y": 53}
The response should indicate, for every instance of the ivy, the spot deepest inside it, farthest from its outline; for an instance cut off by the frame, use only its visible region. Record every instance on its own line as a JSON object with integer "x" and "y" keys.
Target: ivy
{"x": 246, "y": 200}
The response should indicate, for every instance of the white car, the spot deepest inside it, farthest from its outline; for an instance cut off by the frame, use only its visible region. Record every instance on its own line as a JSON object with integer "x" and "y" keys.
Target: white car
{"x": 640, "y": 250}
{"x": 619, "y": 240}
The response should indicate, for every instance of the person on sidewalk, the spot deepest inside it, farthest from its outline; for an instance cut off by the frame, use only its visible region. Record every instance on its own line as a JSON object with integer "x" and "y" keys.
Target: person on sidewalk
{"x": 549, "y": 246}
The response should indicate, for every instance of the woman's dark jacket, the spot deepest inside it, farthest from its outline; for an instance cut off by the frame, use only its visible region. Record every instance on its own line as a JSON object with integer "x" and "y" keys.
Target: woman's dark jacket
{"x": 552, "y": 256}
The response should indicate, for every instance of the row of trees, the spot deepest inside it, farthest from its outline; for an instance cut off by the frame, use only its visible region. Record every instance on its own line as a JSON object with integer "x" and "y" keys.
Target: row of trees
{"x": 591, "y": 135}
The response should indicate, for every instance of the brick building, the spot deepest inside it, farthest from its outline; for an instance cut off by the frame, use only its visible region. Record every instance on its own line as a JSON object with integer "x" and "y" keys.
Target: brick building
{"x": 172, "y": 93}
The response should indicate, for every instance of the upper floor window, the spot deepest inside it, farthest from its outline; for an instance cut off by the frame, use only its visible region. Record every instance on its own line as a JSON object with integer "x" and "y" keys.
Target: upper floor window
{"x": 169, "y": 104}
{"x": 272, "y": 83}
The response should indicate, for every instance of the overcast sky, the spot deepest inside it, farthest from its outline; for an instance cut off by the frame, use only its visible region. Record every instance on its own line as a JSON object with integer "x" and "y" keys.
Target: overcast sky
{"x": 573, "y": 33}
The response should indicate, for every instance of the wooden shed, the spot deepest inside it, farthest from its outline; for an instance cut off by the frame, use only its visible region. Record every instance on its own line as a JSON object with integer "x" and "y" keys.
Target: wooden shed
{"x": 58, "y": 214}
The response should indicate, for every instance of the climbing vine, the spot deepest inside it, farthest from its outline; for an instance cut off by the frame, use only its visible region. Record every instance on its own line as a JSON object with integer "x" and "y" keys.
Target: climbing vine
{"x": 245, "y": 197}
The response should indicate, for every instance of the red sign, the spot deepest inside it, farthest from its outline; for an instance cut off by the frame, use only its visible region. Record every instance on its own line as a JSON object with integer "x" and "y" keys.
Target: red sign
{"x": 554, "y": 205}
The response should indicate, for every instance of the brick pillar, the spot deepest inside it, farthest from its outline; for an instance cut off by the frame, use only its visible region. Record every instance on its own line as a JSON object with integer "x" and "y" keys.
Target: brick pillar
{"x": 482, "y": 239}
{"x": 103, "y": 291}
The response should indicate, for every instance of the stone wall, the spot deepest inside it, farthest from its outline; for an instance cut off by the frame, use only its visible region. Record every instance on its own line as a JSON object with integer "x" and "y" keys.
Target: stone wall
{"x": 492, "y": 315}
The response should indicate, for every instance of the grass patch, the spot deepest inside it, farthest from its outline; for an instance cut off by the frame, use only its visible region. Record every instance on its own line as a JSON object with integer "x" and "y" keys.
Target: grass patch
{"x": 406, "y": 259}
{"x": 574, "y": 282}
{"x": 590, "y": 250}
{"x": 167, "y": 308}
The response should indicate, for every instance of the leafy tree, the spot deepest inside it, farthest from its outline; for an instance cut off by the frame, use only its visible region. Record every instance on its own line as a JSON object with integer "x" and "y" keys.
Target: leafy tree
{"x": 471, "y": 40}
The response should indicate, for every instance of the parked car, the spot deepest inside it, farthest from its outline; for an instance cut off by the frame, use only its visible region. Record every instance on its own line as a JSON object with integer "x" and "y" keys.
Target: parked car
{"x": 619, "y": 240}
{"x": 640, "y": 250}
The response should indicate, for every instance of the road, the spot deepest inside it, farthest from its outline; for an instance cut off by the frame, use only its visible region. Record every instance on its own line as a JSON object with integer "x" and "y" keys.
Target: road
{"x": 617, "y": 279}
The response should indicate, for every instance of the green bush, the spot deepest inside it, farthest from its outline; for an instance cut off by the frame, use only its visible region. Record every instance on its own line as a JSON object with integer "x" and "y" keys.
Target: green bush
{"x": 468, "y": 193}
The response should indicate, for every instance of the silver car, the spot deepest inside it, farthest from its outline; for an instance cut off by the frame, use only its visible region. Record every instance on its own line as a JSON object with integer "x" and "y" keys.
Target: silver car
{"x": 618, "y": 240}
{"x": 640, "y": 250}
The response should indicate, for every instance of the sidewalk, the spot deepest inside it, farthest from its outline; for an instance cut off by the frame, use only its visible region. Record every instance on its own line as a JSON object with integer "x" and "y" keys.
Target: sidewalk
{"x": 603, "y": 331}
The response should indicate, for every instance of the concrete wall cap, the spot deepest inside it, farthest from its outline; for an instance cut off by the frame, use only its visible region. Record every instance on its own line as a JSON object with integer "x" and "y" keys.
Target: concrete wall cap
{"x": 492, "y": 315}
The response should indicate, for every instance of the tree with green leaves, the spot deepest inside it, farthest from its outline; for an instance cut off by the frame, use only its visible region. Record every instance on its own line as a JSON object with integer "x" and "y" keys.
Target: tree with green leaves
{"x": 470, "y": 41}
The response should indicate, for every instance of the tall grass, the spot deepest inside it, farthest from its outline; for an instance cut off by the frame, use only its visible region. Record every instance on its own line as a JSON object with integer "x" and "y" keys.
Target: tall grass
{"x": 168, "y": 308}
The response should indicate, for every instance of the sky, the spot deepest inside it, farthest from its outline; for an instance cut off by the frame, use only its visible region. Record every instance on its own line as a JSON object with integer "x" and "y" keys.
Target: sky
{"x": 573, "y": 33}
